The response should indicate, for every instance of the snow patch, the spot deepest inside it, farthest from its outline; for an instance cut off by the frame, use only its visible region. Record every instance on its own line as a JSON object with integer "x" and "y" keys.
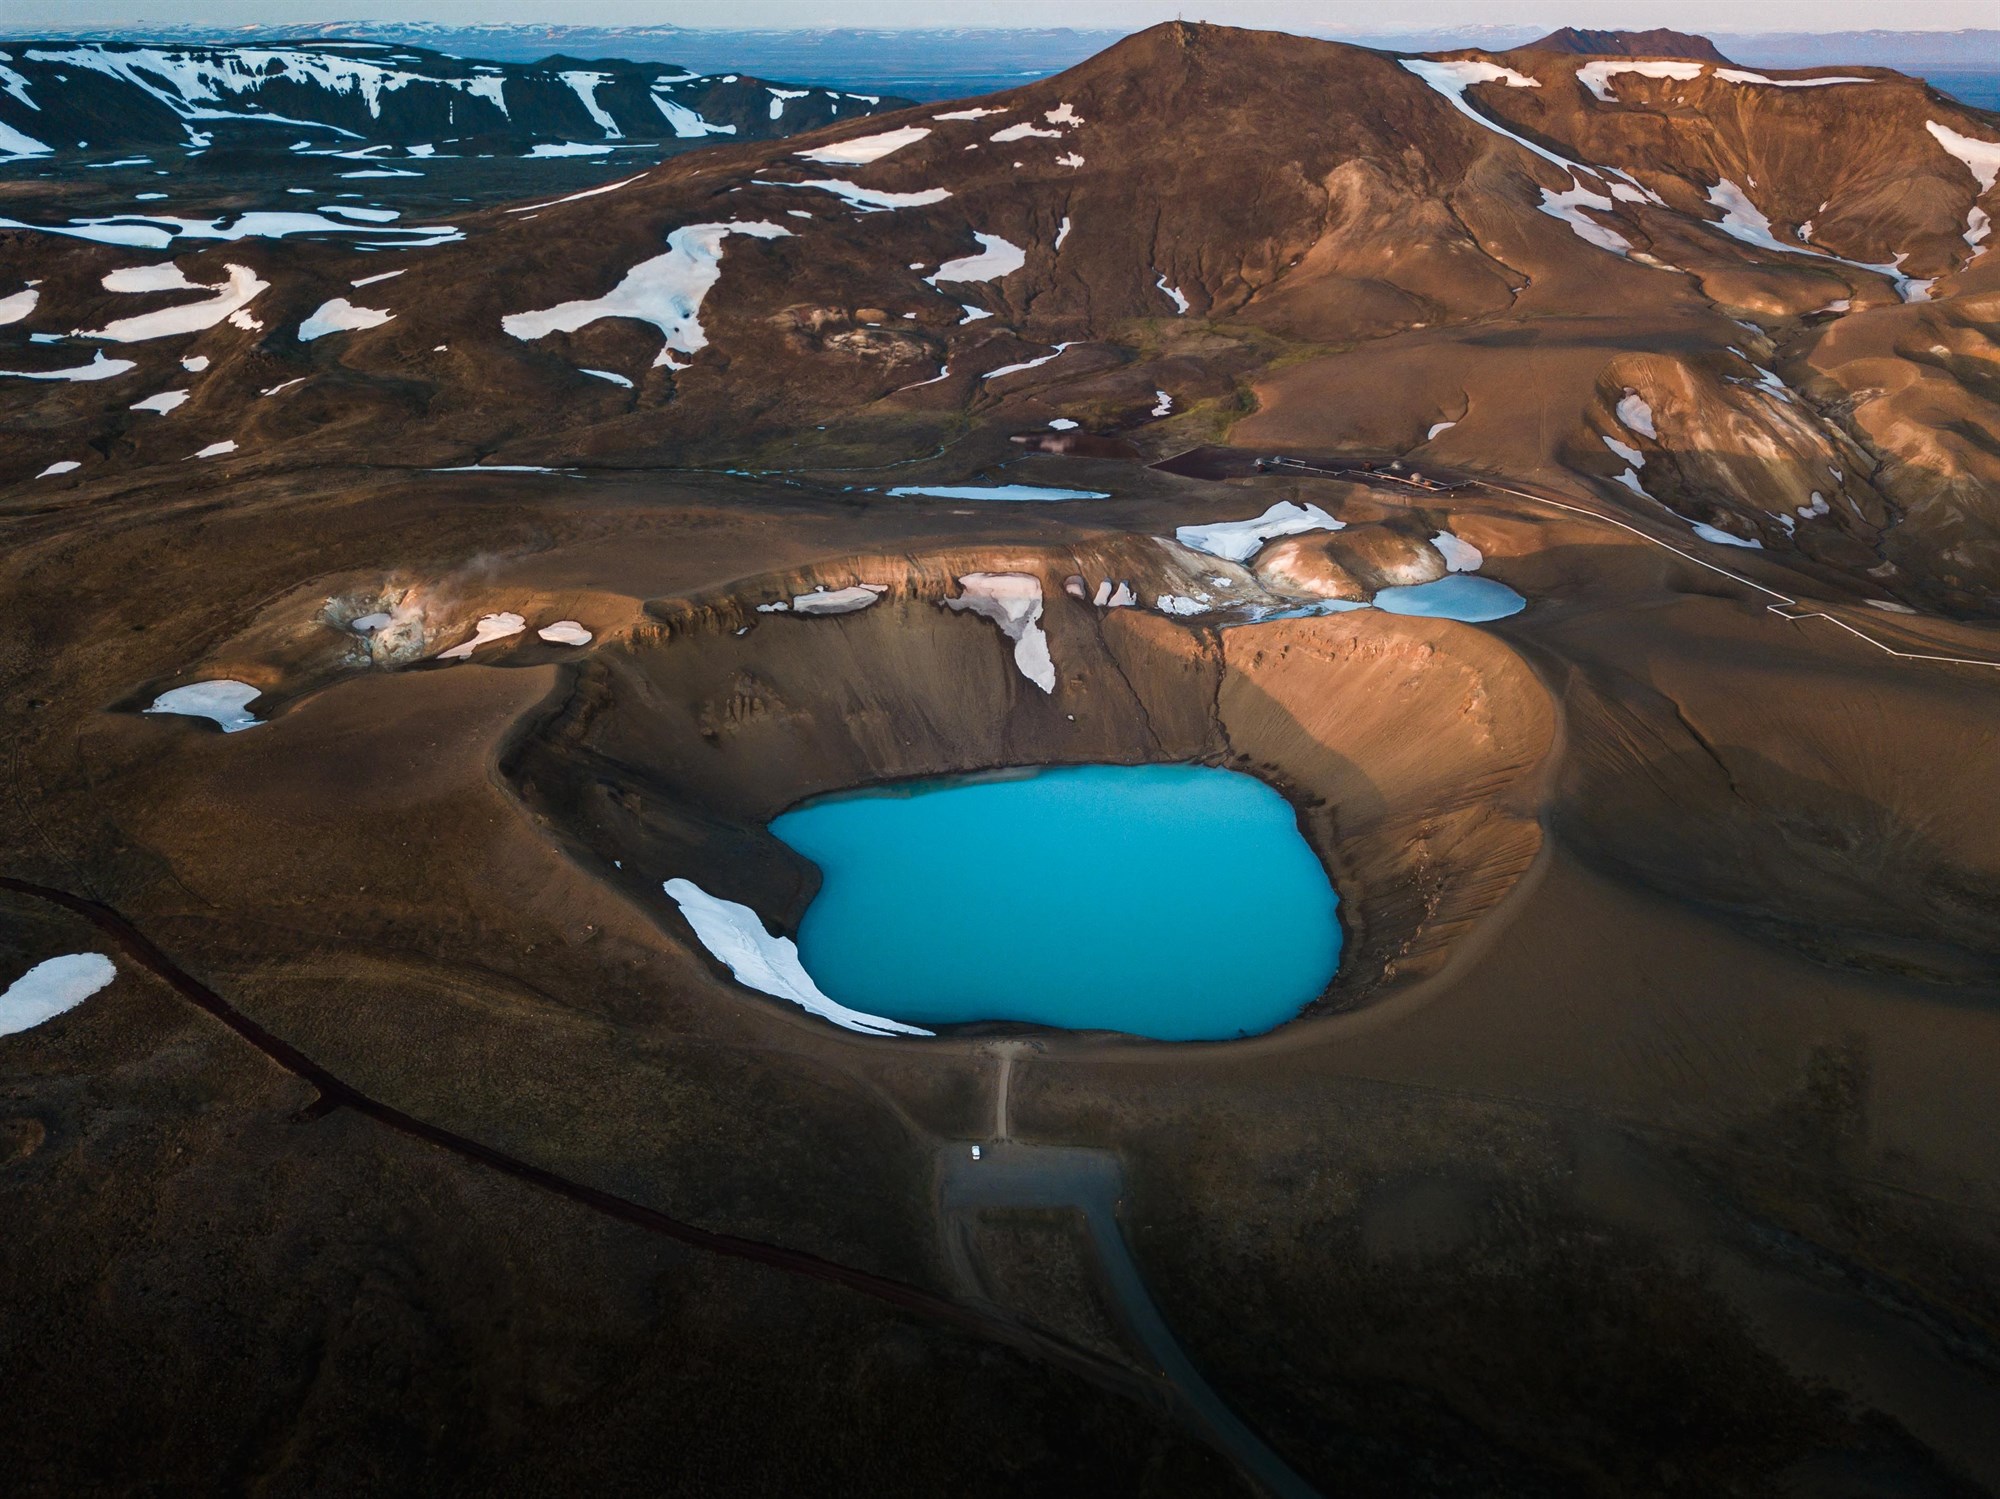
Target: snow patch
{"x": 687, "y": 125}
{"x": 1569, "y": 208}
{"x": 1028, "y": 364}
{"x": 838, "y": 600}
{"x": 584, "y": 86}
{"x": 1724, "y": 538}
{"x": 99, "y": 368}
{"x": 1240, "y": 540}
{"x": 1013, "y": 601}
{"x": 1743, "y": 220}
{"x": 51, "y": 987}
{"x": 341, "y": 316}
{"x": 588, "y": 192}
{"x": 865, "y": 148}
{"x": 1452, "y": 79}
{"x": 1743, "y": 75}
{"x": 1180, "y": 301}
{"x": 1626, "y": 451}
{"x": 1022, "y": 131}
{"x": 1437, "y": 430}
{"x": 490, "y": 627}
{"x": 867, "y": 199}
{"x": 1636, "y": 414}
{"x": 15, "y": 144}
{"x": 164, "y": 402}
{"x": 735, "y": 936}
{"x": 1982, "y": 159}
{"x": 1597, "y": 76}
{"x": 666, "y": 291}
{"x": 224, "y": 701}
{"x": 1460, "y": 556}
{"x": 997, "y": 257}
{"x": 60, "y": 466}
{"x": 564, "y": 632}
{"x": 230, "y": 296}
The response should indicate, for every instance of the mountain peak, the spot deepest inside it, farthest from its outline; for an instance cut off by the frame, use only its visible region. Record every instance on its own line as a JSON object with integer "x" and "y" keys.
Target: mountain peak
{"x": 1659, "y": 42}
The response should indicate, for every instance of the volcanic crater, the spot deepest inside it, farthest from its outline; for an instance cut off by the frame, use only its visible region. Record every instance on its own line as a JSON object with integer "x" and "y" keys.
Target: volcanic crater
{"x": 1410, "y": 749}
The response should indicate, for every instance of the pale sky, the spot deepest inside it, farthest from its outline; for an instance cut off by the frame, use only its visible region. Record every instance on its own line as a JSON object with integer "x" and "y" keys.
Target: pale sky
{"x": 28, "y": 16}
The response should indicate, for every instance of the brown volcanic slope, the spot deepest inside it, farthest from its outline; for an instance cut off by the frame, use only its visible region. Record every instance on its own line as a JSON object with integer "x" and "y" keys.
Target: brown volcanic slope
{"x": 1661, "y": 41}
{"x": 1644, "y": 1143}
{"x": 1334, "y": 223}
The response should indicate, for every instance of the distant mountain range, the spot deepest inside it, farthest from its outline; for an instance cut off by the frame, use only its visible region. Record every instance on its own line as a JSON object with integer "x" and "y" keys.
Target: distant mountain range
{"x": 58, "y": 95}
{"x": 948, "y": 58}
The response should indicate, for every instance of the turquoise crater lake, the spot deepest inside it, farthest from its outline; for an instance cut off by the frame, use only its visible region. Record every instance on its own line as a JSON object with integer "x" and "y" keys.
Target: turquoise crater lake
{"x": 1178, "y": 902}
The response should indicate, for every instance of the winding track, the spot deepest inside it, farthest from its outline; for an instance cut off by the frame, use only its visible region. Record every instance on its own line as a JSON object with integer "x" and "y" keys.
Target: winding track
{"x": 1786, "y": 607}
{"x": 334, "y": 1093}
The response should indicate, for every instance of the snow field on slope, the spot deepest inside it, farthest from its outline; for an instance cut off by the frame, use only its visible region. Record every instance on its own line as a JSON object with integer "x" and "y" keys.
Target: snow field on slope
{"x": 666, "y": 291}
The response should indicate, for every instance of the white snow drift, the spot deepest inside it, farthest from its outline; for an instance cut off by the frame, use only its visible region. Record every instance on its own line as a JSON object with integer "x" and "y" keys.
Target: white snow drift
{"x": 666, "y": 291}
{"x": 341, "y": 316}
{"x": 51, "y": 987}
{"x": 490, "y": 627}
{"x": 1982, "y": 159}
{"x": 1460, "y": 556}
{"x": 1240, "y": 540}
{"x": 188, "y": 317}
{"x": 223, "y": 700}
{"x": 1013, "y": 601}
{"x": 867, "y": 199}
{"x": 99, "y": 368}
{"x": 838, "y": 600}
{"x": 735, "y": 936}
{"x": 997, "y": 257}
{"x": 865, "y": 148}
{"x": 1597, "y": 76}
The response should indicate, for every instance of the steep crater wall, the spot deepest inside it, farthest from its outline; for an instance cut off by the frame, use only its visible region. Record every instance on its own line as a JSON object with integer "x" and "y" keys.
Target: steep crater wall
{"x": 1410, "y": 748}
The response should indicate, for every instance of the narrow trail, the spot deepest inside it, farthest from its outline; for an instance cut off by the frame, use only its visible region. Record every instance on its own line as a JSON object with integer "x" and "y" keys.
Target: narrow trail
{"x": 336, "y": 1093}
{"x": 1015, "y": 1175}
{"x": 1786, "y": 607}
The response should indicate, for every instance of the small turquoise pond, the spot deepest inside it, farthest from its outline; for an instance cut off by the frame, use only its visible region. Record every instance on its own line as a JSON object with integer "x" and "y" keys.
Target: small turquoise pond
{"x": 1460, "y": 596}
{"x": 1179, "y": 902}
